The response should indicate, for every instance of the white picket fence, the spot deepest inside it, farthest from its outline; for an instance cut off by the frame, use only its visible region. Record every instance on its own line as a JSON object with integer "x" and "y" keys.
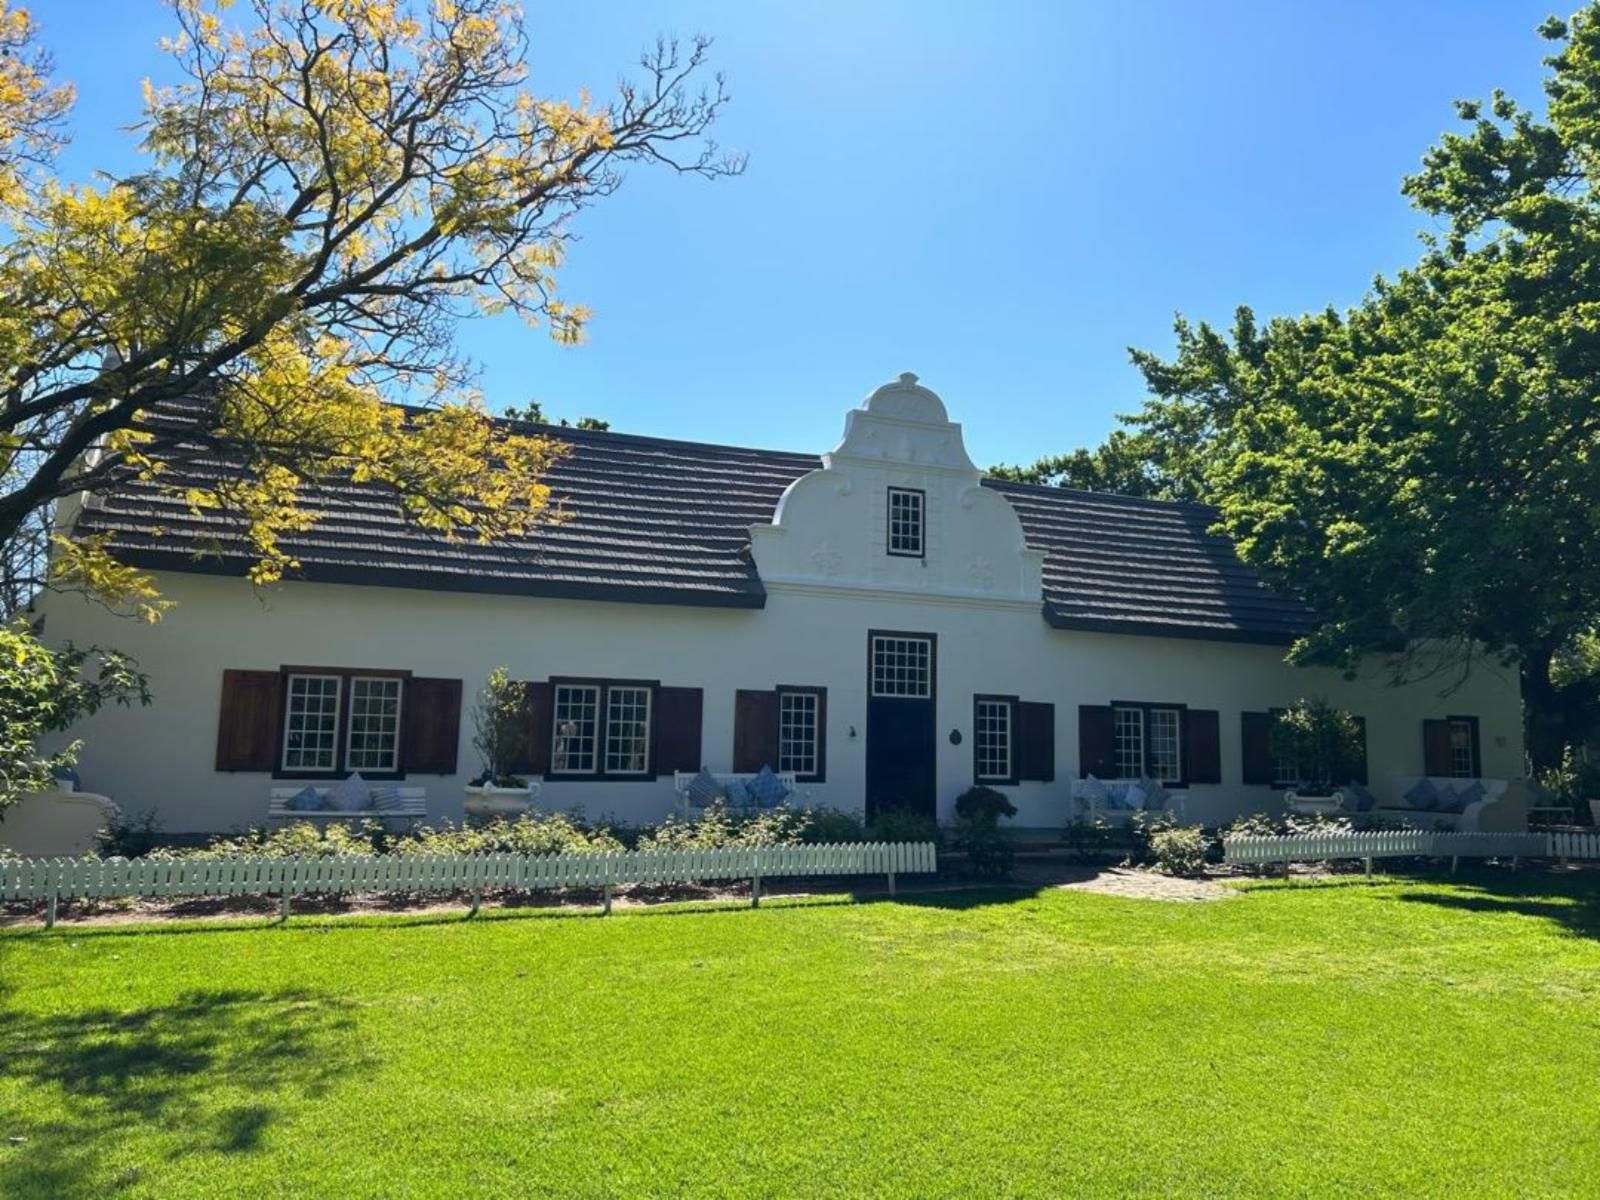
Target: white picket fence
{"x": 51, "y": 880}
{"x": 1408, "y": 843}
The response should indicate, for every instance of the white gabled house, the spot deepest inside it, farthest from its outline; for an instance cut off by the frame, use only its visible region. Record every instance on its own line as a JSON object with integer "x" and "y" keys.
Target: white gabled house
{"x": 883, "y": 621}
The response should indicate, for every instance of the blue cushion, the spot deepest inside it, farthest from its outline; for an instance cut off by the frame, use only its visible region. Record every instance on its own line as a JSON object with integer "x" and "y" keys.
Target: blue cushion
{"x": 1422, "y": 795}
{"x": 386, "y": 799}
{"x": 1470, "y": 794}
{"x": 349, "y": 795}
{"x": 1155, "y": 796}
{"x": 768, "y": 790}
{"x": 738, "y": 792}
{"x": 1359, "y": 797}
{"x": 305, "y": 800}
{"x": 704, "y": 790}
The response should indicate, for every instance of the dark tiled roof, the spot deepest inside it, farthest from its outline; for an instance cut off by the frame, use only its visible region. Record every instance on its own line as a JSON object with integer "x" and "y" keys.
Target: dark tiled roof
{"x": 658, "y": 521}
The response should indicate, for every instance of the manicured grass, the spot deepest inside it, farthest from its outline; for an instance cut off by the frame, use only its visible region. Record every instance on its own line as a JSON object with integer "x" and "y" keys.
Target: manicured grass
{"x": 1428, "y": 1037}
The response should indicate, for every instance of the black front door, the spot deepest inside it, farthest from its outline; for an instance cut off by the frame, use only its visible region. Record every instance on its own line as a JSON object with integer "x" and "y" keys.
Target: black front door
{"x": 900, "y": 731}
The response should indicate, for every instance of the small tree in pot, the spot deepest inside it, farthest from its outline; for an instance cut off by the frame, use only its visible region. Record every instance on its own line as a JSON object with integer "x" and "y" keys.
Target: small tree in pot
{"x": 501, "y": 738}
{"x": 1323, "y": 743}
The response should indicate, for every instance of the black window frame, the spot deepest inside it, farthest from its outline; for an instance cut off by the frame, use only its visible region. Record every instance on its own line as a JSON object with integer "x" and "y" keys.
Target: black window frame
{"x": 922, "y": 521}
{"x": 1013, "y": 758}
{"x": 1147, "y": 707}
{"x": 341, "y": 768}
{"x": 820, "y": 734}
{"x": 602, "y": 722}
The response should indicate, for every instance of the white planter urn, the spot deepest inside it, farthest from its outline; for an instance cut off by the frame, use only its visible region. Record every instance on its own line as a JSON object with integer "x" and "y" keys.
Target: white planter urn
{"x": 488, "y": 802}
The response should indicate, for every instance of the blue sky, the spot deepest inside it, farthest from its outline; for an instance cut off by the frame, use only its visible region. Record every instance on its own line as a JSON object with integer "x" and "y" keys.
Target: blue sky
{"x": 1001, "y": 197}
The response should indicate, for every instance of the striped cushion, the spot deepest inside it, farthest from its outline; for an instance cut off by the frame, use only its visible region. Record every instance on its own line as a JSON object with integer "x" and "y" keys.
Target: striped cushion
{"x": 769, "y": 791}
{"x": 703, "y": 789}
{"x": 386, "y": 799}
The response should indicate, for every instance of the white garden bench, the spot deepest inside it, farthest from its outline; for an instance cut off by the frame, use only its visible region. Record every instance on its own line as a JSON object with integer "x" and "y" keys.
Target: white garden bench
{"x": 682, "y": 779}
{"x": 1085, "y": 805}
{"x": 413, "y": 807}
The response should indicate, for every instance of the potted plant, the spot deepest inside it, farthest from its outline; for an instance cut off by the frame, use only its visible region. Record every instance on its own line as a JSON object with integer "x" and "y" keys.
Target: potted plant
{"x": 501, "y": 737}
{"x": 1324, "y": 745}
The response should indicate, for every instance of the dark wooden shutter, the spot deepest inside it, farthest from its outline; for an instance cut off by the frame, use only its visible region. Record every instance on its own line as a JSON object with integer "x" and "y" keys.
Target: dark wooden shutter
{"x": 1097, "y": 741}
{"x": 538, "y": 716}
{"x": 1436, "y": 747}
{"x": 1255, "y": 745}
{"x": 248, "y": 721}
{"x": 1202, "y": 748}
{"x": 1036, "y": 742}
{"x": 755, "y": 730}
{"x": 1360, "y": 769}
{"x": 431, "y": 740}
{"x": 677, "y": 719}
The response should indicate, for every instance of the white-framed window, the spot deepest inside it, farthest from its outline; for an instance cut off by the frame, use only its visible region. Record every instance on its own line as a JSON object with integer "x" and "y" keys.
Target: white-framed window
{"x": 576, "y": 732}
{"x": 1164, "y": 759}
{"x": 311, "y": 723}
{"x": 902, "y": 666}
{"x": 1463, "y": 748}
{"x": 800, "y": 732}
{"x": 993, "y": 744}
{"x": 1129, "y": 742}
{"x": 627, "y": 730}
{"x": 906, "y": 522}
{"x": 373, "y": 736}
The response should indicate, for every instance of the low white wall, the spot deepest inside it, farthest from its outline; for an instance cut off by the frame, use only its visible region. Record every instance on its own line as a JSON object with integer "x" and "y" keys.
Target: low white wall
{"x": 161, "y": 757}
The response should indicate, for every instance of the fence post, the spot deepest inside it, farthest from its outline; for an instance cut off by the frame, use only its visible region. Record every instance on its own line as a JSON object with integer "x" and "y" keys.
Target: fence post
{"x": 477, "y": 902}
{"x": 1368, "y": 862}
{"x": 607, "y": 910}
{"x": 50, "y": 909}
{"x": 891, "y": 885}
{"x": 755, "y": 879}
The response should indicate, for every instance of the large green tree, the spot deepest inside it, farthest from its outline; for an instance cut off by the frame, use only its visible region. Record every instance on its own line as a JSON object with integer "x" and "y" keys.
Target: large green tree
{"x": 329, "y": 187}
{"x": 1425, "y": 467}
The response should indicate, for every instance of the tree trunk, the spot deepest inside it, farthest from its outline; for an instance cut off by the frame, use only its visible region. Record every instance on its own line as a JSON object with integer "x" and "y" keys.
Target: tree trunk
{"x": 1555, "y": 717}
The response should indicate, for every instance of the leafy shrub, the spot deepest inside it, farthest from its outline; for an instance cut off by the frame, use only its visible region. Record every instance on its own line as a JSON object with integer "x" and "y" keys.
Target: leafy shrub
{"x": 833, "y": 825}
{"x": 130, "y": 838}
{"x": 1180, "y": 851}
{"x": 302, "y": 839}
{"x": 1574, "y": 782}
{"x": 990, "y": 850}
{"x": 900, "y": 825}
{"x": 717, "y": 827}
{"x": 530, "y": 833}
{"x": 1323, "y": 742}
{"x": 1090, "y": 837}
{"x": 1142, "y": 829}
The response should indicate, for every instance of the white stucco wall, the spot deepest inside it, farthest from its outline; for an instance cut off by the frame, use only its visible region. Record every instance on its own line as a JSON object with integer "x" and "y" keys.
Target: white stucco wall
{"x": 829, "y": 582}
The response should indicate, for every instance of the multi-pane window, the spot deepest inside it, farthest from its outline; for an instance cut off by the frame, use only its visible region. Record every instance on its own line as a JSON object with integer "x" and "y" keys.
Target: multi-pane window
{"x": 1147, "y": 740}
{"x": 374, "y": 733}
{"x": 577, "y": 720}
{"x": 1463, "y": 748}
{"x": 902, "y": 666}
{"x": 311, "y": 724}
{"x": 1129, "y": 742}
{"x": 627, "y": 730}
{"x": 992, "y": 740}
{"x": 1285, "y": 770}
{"x": 800, "y": 733}
{"x": 1163, "y": 757}
{"x": 905, "y": 522}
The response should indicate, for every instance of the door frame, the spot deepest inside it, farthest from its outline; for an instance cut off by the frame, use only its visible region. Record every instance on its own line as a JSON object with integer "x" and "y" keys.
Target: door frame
{"x": 931, "y": 700}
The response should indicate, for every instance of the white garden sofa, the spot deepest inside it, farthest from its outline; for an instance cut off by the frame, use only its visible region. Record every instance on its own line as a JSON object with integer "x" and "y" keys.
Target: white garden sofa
{"x": 1504, "y": 808}
{"x": 412, "y": 807}
{"x": 687, "y": 808}
{"x": 1085, "y": 807}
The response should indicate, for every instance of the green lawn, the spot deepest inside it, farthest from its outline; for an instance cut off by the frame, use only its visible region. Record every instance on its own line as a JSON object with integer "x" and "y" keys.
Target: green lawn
{"x": 1429, "y": 1037}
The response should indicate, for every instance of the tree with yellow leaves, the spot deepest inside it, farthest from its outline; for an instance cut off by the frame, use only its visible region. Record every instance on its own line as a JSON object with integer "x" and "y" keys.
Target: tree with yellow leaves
{"x": 332, "y": 186}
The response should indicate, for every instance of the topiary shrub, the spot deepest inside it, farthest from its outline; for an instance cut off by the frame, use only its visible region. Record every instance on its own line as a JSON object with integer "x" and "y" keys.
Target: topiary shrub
{"x": 990, "y": 850}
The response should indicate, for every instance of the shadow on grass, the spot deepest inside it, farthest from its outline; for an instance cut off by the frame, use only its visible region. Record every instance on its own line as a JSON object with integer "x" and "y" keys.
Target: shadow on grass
{"x": 1570, "y": 899}
{"x": 219, "y": 1067}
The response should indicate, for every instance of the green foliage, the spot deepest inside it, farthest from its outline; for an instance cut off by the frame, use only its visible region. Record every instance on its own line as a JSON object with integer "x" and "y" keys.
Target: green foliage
{"x": 133, "y": 837}
{"x": 1091, "y": 838}
{"x": 44, "y": 691}
{"x": 531, "y": 833}
{"x": 1181, "y": 851}
{"x": 500, "y": 728}
{"x": 1130, "y": 464}
{"x": 833, "y": 825}
{"x": 1575, "y": 781}
{"x": 1323, "y": 742}
{"x": 717, "y": 827}
{"x": 990, "y": 850}
{"x": 899, "y": 825}
{"x": 533, "y": 412}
